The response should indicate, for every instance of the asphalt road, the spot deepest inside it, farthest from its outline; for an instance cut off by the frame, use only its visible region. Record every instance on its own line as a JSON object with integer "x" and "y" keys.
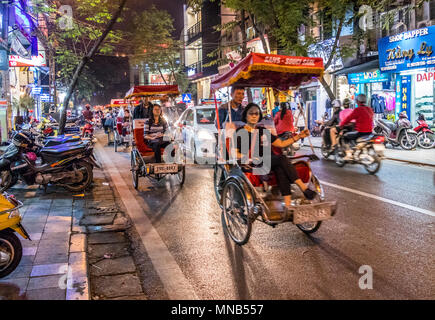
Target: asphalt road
{"x": 396, "y": 240}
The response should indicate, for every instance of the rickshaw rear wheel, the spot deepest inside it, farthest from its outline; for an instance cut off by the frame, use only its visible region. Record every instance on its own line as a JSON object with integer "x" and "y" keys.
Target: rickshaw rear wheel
{"x": 235, "y": 211}
{"x": 134, "y": 170}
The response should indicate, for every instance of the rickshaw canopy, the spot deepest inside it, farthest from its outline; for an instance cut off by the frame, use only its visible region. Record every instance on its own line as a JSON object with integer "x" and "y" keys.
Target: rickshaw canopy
{"x": 152, "y": 90}
{"x": 271, "y": 70}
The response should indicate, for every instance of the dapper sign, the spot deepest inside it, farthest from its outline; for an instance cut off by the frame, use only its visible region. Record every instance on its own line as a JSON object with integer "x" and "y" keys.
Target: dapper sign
{"x": 408, "y": 50}
{"x": 427, "y": 76}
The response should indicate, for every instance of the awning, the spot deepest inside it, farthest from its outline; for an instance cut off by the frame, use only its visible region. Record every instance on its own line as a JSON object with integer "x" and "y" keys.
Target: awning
{"x": 150, "y": 90}
{"x": 363, "y": 67}
{"x": 271, "y": 70}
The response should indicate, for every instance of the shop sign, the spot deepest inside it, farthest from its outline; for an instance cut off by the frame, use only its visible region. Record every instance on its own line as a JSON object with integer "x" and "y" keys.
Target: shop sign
{"x": 427, "y": 76}
{"x": 408, "y": 50}
{"x": 367, "y": 77}
{"x": 34, "y": 61}
{"x": 403, "y": 95}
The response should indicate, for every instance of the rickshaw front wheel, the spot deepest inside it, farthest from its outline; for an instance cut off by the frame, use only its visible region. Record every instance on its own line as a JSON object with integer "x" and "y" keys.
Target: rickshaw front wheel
{"x": 235, "y": 211}
{"x": 181, "y": 176}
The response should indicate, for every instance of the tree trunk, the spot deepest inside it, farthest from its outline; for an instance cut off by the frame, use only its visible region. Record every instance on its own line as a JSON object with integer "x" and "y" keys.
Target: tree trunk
{"x": 84, "y": 62}
{"x": 327, "y": 88}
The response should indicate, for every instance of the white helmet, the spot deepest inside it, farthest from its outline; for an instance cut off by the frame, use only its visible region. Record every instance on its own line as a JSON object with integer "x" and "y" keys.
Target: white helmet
{"x": 336, "y": 104}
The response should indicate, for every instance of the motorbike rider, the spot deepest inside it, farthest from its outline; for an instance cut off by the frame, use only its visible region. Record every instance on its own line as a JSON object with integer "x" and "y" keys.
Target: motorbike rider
{"x": 336, "y": 128}
{"x": 88, "y": 115}
{"x": 285, "y": 172}
{"x": 334, "y": 121}
{"x": 363, "y": 116}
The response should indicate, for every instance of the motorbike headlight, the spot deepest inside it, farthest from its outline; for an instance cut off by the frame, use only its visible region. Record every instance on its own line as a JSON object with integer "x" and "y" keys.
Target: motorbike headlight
{"x": 14, "y": 214}
{"x": 205, "y": 135}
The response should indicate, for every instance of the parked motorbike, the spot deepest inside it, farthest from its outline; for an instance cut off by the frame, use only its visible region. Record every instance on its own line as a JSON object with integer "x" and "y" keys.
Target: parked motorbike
{"x": 68, "y": 166}
{"x": 367, "y": 151}
{"x": 400, "y": 134}
{"x": 425, "y": 136}
{"x": 11, "y": 250}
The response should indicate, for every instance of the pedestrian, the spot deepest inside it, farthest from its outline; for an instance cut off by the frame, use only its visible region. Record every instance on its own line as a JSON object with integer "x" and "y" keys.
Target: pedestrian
{"x": 108, "y": 127}
{"x": 299, "y": 119}
{"x": 284, "y": 120}
{"x": 275, "y": 110}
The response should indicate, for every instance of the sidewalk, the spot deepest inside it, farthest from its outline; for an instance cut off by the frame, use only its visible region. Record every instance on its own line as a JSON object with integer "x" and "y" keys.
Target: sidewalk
{"x": 79, "y": 248}
{"x": 418, "y": 156}
{"x": 53, "y": 266}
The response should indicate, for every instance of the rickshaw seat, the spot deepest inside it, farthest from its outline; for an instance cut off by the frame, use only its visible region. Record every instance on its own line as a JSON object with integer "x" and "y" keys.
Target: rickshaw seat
{"x": 302, "y": 168}
{"x": 138, "y": 136}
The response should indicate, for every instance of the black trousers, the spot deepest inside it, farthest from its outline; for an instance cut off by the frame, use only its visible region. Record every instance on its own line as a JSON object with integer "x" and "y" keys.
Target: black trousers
{"x": 285, "y": 173}
{"x": 156, "y": 146}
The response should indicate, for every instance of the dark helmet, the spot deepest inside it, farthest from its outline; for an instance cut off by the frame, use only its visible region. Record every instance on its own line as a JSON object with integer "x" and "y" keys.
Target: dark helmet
{"x": 346, "y": 103}
{"x": 20, "y": 139}
{"x": 421, "y": 117}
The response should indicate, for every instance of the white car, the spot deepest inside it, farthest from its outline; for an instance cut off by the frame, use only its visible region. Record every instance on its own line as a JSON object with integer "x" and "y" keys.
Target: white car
{"x": 198, "y": 131}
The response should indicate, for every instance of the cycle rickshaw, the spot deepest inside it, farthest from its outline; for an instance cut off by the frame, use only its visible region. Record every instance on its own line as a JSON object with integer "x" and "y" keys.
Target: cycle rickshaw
{"x": 236, "y": 187}
{"x": 142, "y": 156}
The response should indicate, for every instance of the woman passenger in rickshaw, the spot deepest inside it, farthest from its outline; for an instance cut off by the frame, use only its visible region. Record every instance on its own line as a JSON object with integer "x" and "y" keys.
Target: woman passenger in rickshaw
{"x": 284, "y": 170}
{"x": 155, "y": 129}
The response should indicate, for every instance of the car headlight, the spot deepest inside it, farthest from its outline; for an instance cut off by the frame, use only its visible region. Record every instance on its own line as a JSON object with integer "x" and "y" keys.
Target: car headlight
{"x": 205, "y": 135}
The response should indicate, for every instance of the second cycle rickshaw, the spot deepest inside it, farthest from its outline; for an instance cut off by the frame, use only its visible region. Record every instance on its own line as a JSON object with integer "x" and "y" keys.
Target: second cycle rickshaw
{"x": 142, "y": 156}
{"x": 237, "y": 189}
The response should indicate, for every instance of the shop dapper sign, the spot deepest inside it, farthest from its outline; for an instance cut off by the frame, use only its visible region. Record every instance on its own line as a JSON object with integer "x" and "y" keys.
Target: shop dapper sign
{"x": 408, "y": 50}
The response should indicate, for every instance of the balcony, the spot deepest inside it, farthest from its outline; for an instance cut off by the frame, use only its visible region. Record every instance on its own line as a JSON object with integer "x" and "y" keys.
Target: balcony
{"x": 194, "y": 32}
{"x": 194, "y": 69}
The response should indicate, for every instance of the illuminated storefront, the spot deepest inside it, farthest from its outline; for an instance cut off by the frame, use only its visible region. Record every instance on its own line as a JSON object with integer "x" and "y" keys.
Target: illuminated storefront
{"x": 409, "y": 57}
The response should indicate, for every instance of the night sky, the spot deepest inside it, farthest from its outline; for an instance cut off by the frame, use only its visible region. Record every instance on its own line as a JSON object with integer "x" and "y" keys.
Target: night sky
{"x": 174, "y": 7}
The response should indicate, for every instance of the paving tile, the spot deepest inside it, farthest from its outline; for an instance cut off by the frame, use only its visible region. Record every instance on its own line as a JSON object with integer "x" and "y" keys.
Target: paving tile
{"x": 77, "y": 289}
{"x": 46, "y": 282}
{"x": 58, "y": 227}
{"x": 13, "y": 289}
{"x": 58, "y": 220}
{"x": 34, "y": 219}
{"x": 49, "y": 269}
{"x": 113, "y": 266}
{"x": 97, "y": 220}
{"x": 56, "y": 236}
{"x": 117, "y": 286}
{"x": 22, "y": 271}
{"x": 46, "y": 294}
{"x": 79, "y": 229}
{"x": 60, "y": 213}
{"x": 27, "y": 260}
{"x": 97, "y": 251}
{"x": 29, "y": 251}
{"x": 106, "y": 237}
{"x": 51, "y": 257}
{"x": 35, "y": 236}
{"x": 29, "y": 244}
{"x": 78, "y": 243}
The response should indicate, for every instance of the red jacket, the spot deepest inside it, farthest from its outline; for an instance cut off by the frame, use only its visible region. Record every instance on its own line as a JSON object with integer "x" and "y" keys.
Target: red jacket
{"x": 363, "y": 117}
{"x": 286, "y": 124}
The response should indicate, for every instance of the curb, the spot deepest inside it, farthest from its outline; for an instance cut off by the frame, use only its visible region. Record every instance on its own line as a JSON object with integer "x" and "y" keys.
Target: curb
{"x": 394, "y": 159}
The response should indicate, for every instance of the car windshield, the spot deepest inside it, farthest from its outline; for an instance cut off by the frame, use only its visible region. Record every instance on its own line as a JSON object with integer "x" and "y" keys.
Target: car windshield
{"x": 205, "y": 116}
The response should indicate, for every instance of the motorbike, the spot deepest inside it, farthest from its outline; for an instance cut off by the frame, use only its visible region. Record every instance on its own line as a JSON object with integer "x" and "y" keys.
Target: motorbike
{"x": 425, "y": 136}
{"x": 368, "y": 151}
{"x": 88, "y": 129}
{"x": 400, "y": 134}
{"x": 11, "y": 250}
{"x": 70, "y": 166}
